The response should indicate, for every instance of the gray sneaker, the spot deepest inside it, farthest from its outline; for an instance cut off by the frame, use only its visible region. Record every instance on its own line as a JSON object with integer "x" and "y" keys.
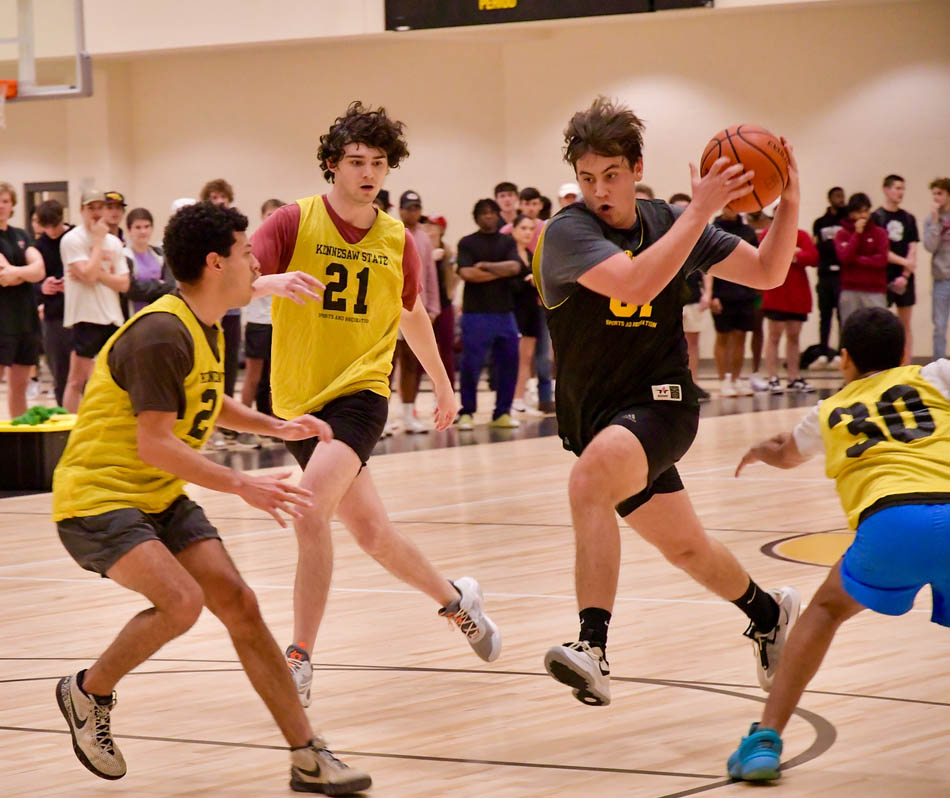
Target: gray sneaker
{"x": 88, "y": 722}
{"x": 298, "y": 660}
{"x": 768, "y": 646}
{"x": 315, "y": 769}
{"x": 466, "y": 613}
{"x": 248, "y": 440}
{"x": 583, "y": 667}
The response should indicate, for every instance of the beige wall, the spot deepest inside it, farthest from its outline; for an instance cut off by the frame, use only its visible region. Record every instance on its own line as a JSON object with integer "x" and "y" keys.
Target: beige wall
{"x": 860, "y": 89}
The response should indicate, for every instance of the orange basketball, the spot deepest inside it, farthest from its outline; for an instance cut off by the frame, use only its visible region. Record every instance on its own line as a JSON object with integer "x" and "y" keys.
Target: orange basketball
{"x": 757, "y": 150}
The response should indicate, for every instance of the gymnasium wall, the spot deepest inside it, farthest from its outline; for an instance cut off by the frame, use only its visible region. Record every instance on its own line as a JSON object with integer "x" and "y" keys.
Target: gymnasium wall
{"x": 861, "y": 89}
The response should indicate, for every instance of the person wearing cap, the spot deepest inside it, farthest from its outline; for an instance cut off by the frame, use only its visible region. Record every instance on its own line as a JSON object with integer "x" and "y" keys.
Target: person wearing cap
{"x": 95, "y": 273}
{"x": 382, "y": 201}
{"x": 567, "y": 194}
{"x": 410, "y": 212}
{"x": 115, "y": 210}
{"x": 21, "y": 264}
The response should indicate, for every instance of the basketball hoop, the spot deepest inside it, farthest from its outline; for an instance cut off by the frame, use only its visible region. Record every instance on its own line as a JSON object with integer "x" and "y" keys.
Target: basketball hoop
{"x": 8, "y": 90}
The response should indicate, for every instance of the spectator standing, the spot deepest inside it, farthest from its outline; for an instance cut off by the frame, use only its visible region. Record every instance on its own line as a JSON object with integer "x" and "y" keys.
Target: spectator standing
{"x": 149, "y": 276}
{"x": 220, "y": 192}
{"x": 862, "y": 248}
{"x": 115, "y": 210}
{"x": 785, "y": 308}
{"x": 699, "y": 286}
{"x": 828, "y": 286}
{"x": 21, "y": 265}
{"x": 527, "y": 306}
{"x": 444, "y": 325}
{"x": 901, "y": 229}
{"x": 485, "y": 259}
{"x": 95, "y": 273}
{"x": 507, "y": 197}
{"x": 410, "y": 371}
{"x": 57, "y": 340}
{"x": 937, "y": 242}
{"x": 733, "y": 309}
{"x": 567, "y": 194}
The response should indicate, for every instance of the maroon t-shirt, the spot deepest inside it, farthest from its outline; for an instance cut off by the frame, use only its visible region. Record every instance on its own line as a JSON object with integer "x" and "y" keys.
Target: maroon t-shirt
{"x": 273, "y": 245}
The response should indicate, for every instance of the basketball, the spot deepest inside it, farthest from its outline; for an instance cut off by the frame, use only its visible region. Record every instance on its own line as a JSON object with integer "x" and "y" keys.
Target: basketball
{"x": 757, "y": 150}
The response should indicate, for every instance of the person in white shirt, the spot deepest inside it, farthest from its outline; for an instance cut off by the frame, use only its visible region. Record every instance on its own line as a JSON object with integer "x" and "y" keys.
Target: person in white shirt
{"x": 95, "y": 272}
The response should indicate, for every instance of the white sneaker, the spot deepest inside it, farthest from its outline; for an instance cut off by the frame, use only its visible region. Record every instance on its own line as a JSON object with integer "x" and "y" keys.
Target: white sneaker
{"x": 483, "y": 636}
{"x": 519, "y": 406}
{"x": 758, "y": 383}
{"x": 315, "y": 769}
{"x": 583, "y": 667}
{"x": 820, "y": 362}
{"x": 217, "y": 440}
{"x": 298, "y": 660}
{"x": 835, "y": 362}
{"x": 775, "y": 385}
{"x": 768, "y": 647}
{"x": 743, "y": 388}
{"x": 416, "y": 427}
{"x": 727, "y": 387}
{"x": 88, "y": 722}
{"x": 33, "y": 391}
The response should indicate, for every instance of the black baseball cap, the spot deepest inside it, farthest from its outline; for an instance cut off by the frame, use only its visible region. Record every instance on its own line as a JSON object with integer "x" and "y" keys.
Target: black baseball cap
{"x": 115, "y": 196}
{"x": 409, "y": 198}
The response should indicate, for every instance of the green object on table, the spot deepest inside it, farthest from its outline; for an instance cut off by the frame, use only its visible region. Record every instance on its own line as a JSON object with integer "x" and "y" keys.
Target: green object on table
{"x": 38, "y": 415}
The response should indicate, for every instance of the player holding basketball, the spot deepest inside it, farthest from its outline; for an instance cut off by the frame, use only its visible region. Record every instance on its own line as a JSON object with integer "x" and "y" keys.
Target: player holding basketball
{"x": 886, "y": 441}
{"x": 156, "y": 390}
{"x": 335, "y": 362}
{"x": 611, "y": 272}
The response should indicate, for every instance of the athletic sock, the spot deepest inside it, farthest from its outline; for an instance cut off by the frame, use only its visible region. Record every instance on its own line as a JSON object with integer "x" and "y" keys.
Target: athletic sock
{"x": 99, "y": 699}
{"x": 408, "y": 412}
{"x": 759, "y": 606}
{"x": 594, "y": 623}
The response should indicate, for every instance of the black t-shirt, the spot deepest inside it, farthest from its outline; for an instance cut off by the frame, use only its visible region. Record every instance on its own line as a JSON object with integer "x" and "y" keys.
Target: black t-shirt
{"x": 49, "y": 249}
{"x": 901, "y": 228}
{"x": 612, "y": 356}
{"x": 493, "y": 296}
{"x": 18, "y": 314}
{"x": 152, "y": 358}
{"x": 824, "y": 230}
{"x": 724, "y": 290}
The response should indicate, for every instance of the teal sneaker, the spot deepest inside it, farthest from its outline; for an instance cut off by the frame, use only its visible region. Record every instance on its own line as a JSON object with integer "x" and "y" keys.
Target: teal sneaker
{"x": 757, "y": 757}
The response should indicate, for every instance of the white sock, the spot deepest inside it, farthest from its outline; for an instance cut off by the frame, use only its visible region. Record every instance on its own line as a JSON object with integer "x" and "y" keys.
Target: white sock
{"x": 408, "y": 412}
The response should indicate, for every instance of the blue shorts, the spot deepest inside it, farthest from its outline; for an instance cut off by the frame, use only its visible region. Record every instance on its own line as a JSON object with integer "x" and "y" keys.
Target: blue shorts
{"x": 896, "y": 552}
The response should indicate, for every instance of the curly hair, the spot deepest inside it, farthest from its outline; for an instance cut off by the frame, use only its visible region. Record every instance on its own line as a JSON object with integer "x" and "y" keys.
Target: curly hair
{"x": 943, "y": 183}
{"x": 607, "y": 128}
{"x": 362, "y": 125}
{"x": 483, "y": 205}
{"x": 196, "y": 230}
{"x": 217, "y": 186}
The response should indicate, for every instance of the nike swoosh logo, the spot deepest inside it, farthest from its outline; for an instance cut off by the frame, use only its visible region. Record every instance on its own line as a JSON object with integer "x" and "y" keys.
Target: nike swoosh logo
{"x": 303, "y": 772}
{"x": 79, "y": 724}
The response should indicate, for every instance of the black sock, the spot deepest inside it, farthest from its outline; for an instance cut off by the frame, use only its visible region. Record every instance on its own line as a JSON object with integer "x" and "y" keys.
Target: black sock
{"x": 761, "y": 608}
{"x": 594, "y": 623}
{"x": 99, "y": 699}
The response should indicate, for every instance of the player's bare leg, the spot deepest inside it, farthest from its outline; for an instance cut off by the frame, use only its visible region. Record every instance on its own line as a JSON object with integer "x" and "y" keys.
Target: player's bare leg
{"x": 362, "y": 511}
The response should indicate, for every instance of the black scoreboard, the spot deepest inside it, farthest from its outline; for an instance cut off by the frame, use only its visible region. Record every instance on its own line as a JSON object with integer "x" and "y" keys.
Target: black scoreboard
{"x": 414, "y": 14}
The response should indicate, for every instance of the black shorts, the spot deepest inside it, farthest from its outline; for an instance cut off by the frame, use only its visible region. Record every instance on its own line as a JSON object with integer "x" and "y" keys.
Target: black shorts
{"x": 20, "y": 350}
{"x": 528, "y": 314}
{"x": 89, "y": 338}
{"x": 257, "y": 340}
{"x": 97, "y": 542}
{"x": 785, "y": 315}
{"x": 666, "y": 431}
{"x": 738, "y": 315}
{"x": 907, "y": 299}
{"x": 357, "y": 419}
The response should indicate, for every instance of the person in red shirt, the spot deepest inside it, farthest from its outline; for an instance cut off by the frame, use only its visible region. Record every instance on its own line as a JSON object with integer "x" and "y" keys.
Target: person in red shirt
{"x": 861, "y": 247}
{"x": 785, "y": 308}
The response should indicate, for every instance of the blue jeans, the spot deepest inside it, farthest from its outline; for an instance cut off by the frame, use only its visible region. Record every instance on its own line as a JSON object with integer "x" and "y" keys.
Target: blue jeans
{"x": 542, "y": 360}
{"x": 482, "y": 332}
{"x": 941, "y": 314}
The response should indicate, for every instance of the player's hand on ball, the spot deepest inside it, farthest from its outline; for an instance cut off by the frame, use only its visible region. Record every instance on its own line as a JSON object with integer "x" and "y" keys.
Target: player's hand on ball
{"x": 303, "y": 427}
{"x": 275, "y": 495}
{"x": 792, "y": 190}
{"x": 721, "y": 185}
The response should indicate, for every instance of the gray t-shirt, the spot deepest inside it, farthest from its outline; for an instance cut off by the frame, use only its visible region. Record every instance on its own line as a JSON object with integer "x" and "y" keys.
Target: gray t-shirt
{"x": 612, "y": 356}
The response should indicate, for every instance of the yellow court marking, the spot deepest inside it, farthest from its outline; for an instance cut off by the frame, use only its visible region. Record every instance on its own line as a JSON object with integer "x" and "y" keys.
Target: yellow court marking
{"x": 821, "y": 548}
